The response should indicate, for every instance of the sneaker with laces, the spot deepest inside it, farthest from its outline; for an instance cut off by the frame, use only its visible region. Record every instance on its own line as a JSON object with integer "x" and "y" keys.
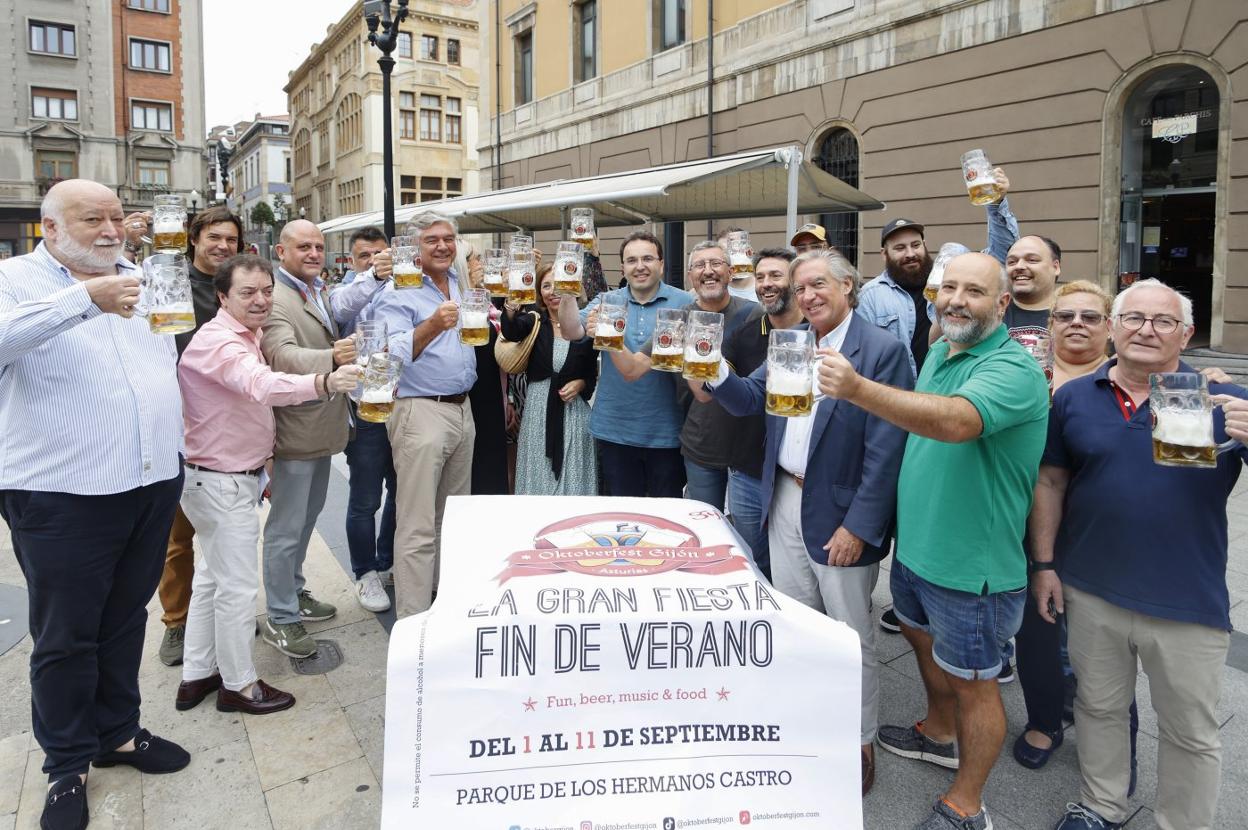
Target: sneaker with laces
{"x": 386, "y": 577}
{"x": 312, "y": 609}
{"x": 1079, "y": 817}
{"x": 1007, "y": 672}
{"x": 291, "y": 639}
{"x": 910, "y": 742}
{"x": 371, "y": 594}
{"x": 889, "y": 622}
{"x": 171, "y": 645}
{"x": 944, "y": 817}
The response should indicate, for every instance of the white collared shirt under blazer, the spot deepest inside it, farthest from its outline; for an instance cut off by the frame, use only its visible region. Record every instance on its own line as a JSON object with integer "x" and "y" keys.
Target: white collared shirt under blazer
{"x": 89, "y": 402}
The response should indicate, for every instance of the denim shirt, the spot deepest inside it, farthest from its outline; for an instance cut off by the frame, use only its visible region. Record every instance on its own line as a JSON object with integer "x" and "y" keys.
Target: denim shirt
{"x": 889, "y": 306}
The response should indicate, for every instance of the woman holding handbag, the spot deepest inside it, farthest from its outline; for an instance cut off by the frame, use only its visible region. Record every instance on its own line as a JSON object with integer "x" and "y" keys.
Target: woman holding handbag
{"x": 556, "y": 452}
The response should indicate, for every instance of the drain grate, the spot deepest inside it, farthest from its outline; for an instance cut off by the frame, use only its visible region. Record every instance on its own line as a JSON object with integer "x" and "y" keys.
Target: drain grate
{"x": 327, "y": 658}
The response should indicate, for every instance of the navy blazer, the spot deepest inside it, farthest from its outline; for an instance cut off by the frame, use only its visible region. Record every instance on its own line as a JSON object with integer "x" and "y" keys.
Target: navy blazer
{"x": 855, "y": 457}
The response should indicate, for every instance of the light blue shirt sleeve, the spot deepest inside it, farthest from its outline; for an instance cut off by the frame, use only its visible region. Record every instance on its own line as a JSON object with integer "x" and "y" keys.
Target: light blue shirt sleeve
{"x": 1002, "y": 229}
{"x": 347, "y": 300}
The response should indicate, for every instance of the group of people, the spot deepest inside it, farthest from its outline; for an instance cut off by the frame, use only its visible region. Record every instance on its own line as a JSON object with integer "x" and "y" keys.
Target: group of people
{"x": 934, "y": 435}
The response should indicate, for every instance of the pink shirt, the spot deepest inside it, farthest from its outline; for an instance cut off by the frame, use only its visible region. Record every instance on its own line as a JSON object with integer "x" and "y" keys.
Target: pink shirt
{"x": 228, "y": 391}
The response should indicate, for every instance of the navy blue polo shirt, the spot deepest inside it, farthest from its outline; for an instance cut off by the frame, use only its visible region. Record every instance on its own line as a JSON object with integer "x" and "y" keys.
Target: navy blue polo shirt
{"x": 1147, "y": 538}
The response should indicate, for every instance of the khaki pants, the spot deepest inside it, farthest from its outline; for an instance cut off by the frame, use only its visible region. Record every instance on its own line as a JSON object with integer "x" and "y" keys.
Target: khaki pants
{"x": 1184, "y": 663}
{"x": 432, "y": 446}
{"x": 175, "y": 579}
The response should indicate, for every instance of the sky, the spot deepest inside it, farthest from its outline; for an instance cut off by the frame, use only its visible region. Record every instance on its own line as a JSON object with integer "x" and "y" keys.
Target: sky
{"x": 251, "y": 45}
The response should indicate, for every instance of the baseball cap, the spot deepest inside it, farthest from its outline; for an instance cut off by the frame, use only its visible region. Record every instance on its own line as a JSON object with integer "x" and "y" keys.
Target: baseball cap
{"x": 897, "y": 225}
{"x": 814, "y": 230}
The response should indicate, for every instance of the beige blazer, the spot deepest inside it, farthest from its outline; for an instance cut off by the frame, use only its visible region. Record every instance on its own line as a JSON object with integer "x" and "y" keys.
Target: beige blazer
{"x": 297, "y": 340}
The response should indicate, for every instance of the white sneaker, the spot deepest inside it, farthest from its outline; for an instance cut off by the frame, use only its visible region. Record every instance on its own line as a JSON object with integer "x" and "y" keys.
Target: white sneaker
{"x": 372, "y": 596}
{"x": 386, "y": 577}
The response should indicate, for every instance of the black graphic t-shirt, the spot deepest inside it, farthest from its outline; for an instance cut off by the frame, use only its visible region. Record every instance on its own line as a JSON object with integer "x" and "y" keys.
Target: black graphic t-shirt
{"x": 1025, "y": 325}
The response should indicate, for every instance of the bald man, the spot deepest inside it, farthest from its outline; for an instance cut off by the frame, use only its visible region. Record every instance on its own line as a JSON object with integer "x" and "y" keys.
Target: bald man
{"x": 303, "y": 336}
{"x": 90, "y": 427}
{"x": 977, "y": 420}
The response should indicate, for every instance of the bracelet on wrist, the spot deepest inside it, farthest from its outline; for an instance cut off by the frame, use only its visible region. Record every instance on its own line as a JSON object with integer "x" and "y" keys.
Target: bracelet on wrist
{"x": 1034, "y": 566}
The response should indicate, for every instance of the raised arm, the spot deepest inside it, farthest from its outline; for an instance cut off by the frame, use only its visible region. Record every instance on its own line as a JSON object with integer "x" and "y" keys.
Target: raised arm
{"x": 230, "y": 364}
{"x": 1002, "y": 226}
{"x": 24, "y": 326}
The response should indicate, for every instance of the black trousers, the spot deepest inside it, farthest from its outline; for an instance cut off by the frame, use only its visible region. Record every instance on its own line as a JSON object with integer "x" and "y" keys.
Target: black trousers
{"x": 658, "y": 472}
{"x": 1038, "y": 652}
{"x": 91, "y": 565}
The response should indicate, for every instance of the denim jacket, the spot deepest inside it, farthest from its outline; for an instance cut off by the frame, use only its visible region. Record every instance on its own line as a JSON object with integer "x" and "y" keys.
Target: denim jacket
{"x": 889, "y": 306}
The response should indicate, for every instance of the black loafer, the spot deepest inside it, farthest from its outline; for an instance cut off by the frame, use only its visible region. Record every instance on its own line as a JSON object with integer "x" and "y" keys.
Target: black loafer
{"x": 151, "y": 754}
{"x": 1033, "y": 757}
{"x": 66, "y": 807}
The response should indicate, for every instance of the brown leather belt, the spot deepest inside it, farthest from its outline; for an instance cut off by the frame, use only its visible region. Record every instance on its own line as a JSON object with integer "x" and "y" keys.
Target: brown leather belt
{"x": 455, "y": 399}
{"x": 203, "y": 469}
{"x": 800, "y": 481}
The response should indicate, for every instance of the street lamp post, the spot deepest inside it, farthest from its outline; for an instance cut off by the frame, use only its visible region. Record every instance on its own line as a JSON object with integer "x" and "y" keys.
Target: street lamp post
{"x": 377, "y": 16}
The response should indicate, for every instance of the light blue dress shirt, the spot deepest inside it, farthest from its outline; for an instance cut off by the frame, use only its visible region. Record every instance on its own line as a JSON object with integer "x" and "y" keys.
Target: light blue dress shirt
{"x": 446, "y": 366}
{"x": 89, "y": 402}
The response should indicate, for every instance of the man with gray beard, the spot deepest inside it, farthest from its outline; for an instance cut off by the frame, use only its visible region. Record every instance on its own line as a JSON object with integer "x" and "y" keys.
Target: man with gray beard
{"x": 977, "y": 421}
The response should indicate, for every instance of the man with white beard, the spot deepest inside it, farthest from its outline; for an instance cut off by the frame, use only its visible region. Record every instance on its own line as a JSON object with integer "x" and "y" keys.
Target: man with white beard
{"x": 90, "y": 475}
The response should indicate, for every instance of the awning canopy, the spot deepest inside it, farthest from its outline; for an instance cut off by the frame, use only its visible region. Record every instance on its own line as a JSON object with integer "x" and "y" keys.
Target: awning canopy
{"x": 755, "y": 183}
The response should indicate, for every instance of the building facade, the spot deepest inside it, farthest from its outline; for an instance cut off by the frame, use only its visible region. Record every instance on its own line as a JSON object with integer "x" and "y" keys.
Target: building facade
{"x": 108, "y": 91}
{"x": 259, "y": 171}
{"x": 336, "y": 112}
{"x": 1123, "y": 125}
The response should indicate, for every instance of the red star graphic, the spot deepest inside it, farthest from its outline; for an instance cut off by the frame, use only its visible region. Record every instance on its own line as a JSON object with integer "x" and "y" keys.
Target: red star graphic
{"x": 529, "y": 704}
{"x": 723, "y": 693}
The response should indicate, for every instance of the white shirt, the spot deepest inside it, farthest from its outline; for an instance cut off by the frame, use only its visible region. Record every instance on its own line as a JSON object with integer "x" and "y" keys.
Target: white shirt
{"x": 795, "y": 445}
{"x": 89, "y": 402}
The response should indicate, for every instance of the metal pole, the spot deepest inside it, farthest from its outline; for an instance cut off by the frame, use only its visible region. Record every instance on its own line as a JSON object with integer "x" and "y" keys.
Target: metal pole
{"x": 790, "y": 214}
{"x": 387, "y": 151}
{"x": 710, "y": 91}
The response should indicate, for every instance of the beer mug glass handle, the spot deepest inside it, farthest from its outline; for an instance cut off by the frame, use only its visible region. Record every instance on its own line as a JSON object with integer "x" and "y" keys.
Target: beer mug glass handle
{"x": 1227, "y": 446}
{"x": 144, "y": 304}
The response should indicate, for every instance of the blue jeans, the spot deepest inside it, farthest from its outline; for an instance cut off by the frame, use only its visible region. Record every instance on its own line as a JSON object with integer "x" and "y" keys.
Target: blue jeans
{"x": 969, "y": 631}
{"x": 745, "y": 505}
{"x": 371, "y": 464}
{"x": 706, "y": 484}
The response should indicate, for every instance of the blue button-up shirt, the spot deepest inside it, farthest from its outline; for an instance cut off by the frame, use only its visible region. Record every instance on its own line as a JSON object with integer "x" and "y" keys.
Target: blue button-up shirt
{"x": 644, "y": 413}
{"x": 889, "y": 306}
{"x": 446, "y": 366}
{"x": 89, "y": 402}
{"x": 1141, "y": 536}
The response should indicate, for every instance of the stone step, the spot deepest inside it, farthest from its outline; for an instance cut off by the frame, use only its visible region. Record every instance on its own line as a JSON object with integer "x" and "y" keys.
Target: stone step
{"x": 1235, "y": 365}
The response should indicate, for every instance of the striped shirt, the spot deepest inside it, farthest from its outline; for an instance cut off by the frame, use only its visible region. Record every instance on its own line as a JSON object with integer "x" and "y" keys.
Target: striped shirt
{"x": 89, "y": 402}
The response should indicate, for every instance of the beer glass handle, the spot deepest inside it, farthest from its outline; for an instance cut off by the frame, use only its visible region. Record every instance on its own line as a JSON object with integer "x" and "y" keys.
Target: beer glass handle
{"x": 1227, "y": 446}
{"x": 143, "y": 305}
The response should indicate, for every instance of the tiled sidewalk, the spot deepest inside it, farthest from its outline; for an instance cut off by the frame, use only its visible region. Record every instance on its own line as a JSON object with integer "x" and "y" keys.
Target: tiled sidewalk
{"x": 318, "y": 765}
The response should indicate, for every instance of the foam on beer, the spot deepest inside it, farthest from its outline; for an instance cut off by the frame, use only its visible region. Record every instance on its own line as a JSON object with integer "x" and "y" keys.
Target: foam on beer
{"x": 739, "y": 259}
{"x": 406, "y": 268}
{"x": 1186, "y": 428}
{"x": 692, "y": 356}
{"x": 672, "y": 349}
{"x": 473, "y": 319}
{"x": 167, "y": 224}
{"x": 375, "y": 395}
{"x": 788, "y": 383}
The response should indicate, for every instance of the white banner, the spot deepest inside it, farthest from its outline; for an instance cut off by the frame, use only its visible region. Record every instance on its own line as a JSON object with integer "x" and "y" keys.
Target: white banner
{"x": 615, "y": 664}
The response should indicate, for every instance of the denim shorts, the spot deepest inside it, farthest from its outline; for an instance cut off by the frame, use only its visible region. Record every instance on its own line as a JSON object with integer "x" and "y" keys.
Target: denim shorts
{"x": 969, "y": 631}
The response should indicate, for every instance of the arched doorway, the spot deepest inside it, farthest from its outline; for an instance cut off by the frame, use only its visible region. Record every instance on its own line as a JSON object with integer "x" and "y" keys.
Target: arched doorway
{"x": 1169, "y": 185}
{"x": 836, "y": 153}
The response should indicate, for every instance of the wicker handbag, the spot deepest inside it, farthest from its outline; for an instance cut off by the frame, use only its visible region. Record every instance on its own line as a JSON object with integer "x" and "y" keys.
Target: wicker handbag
{"x": 513, "y": 358}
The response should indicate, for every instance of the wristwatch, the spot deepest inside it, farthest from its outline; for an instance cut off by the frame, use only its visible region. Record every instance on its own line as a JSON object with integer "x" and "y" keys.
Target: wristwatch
{"x": 131, "y": 247}
{"x": 1034, "y": 566}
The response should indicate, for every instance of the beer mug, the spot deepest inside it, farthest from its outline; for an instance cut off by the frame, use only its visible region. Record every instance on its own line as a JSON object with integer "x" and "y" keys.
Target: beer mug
{"x": 165, "y": 294}
{"x": 381, "y": 378}
{"x": 474, "y": 317}
{"x": 569, "y": 262}
{"x": 612, "y": 320}
{"x": 583, "y": 227}
{"x": 521, "y": 279}
{"x": 371, "y": 337}
{"x": 667, "y": 350}
{"x": 519, "y": 240}
{"x": 740, "y": 254}
{"x": 405, "y": 255}
{"x": 169, "y": 224}
{"x": 791, "y": 373}
{"x": 934, "y": 277}
{"x": 980, "y": 184}
{"x": 495, "y": 268}
{"x": 1183, "y": 421}
{"x": 703, "y": 336}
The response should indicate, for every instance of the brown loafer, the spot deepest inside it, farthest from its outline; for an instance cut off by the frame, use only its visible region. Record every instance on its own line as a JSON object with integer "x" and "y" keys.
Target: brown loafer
{"x": 192, "y": 692}
{"x": 270, "y": 700}
{"x": 868, "y": 772}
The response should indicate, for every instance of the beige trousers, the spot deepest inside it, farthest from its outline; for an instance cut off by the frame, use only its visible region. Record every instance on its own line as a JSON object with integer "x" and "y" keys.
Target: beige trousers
{"x": 1184, "y": 663}
{"x": 432, "y": 446}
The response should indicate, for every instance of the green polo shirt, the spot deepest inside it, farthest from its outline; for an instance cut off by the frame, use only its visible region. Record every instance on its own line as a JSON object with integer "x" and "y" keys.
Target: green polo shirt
{"x": 962, "y": 508}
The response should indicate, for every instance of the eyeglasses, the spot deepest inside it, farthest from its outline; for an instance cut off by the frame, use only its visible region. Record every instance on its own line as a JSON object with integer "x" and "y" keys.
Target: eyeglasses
{"x": 644, "y": 260}
{"x": 809, "y": 246}
{"x": 1088, "y": 318}
{"x": 708, "y": 265}
{"x": 1162, "y": 323}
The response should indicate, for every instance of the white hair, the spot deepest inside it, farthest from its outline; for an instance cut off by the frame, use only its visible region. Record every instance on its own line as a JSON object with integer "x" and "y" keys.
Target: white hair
{"x": 1185, "y": 302}
{"x": 424, "y": 221}
{"x": 53, "y": 206}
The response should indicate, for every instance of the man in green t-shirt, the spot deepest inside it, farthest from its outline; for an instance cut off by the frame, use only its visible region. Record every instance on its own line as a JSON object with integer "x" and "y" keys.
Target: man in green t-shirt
{"x": 977, "y": 422}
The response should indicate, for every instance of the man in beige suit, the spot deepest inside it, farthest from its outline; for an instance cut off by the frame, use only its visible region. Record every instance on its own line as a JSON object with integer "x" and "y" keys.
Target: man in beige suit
{"x": 302, "y": 337}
